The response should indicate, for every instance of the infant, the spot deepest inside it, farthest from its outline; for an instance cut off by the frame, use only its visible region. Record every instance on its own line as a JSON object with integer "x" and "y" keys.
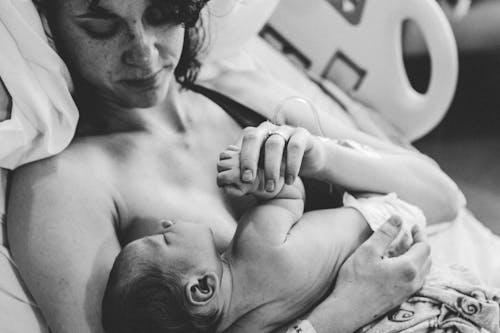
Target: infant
{"x": 280, "y": 264}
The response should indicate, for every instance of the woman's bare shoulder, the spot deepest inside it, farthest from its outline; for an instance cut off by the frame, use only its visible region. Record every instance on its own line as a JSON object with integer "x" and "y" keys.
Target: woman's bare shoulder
{"x": 71, "y": 186}
{"x": 76, "y": 178}
{"x": 82, "y": 161}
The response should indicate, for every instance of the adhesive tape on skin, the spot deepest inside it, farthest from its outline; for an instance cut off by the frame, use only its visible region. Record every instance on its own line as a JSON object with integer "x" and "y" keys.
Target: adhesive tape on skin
{"x": 356, "y": 146}
{"x": 301, "y": 326}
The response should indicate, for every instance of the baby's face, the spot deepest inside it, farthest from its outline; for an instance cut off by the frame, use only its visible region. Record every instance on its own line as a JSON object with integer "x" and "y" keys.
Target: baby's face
{"x": 181, "y": 246}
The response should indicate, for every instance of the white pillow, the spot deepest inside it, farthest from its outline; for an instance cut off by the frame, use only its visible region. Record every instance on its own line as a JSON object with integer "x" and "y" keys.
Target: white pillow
{"x": 44, "y": 116}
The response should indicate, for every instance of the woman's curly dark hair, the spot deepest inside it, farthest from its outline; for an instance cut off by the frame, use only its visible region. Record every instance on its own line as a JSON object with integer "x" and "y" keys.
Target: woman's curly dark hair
{"x": 186, "y": 12}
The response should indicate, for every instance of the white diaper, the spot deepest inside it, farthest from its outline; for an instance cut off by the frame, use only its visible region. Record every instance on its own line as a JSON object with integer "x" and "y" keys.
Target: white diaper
{"x": 377, "y": 209}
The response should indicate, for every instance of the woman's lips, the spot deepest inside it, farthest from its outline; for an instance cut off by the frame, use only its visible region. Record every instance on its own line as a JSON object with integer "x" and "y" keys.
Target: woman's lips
{"x": 146, "y": 82}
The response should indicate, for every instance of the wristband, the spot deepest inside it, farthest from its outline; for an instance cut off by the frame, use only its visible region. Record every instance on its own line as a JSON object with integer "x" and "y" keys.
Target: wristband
{"x": 301, "y": 326}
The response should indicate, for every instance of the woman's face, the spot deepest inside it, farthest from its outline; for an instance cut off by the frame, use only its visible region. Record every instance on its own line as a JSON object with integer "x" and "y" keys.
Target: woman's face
{"x": 126, "y": 50}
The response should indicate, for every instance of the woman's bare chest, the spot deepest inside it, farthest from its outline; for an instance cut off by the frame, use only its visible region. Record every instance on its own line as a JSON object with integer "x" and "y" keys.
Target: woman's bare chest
{"x": 176, "y": 181}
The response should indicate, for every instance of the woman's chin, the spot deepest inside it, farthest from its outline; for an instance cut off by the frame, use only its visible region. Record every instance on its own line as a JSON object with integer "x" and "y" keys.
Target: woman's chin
{"x": 145, "y": 99}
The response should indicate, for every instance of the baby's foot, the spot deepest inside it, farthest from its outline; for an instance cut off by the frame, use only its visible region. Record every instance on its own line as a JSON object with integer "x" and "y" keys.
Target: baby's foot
{"x": 229, "y": 177}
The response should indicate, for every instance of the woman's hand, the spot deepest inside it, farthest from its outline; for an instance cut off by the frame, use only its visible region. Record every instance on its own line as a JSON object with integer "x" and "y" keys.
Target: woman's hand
{"x": 382, "y": 281}
{"x": 5, "y": 102}
{"x": 279, "y": 150}
{"x": 370, "y": 284}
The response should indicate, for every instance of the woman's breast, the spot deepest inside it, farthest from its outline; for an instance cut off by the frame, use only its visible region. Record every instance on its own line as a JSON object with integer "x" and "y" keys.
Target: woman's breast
{"x": 178, "y": 191}
{"x": 174, "y": 178}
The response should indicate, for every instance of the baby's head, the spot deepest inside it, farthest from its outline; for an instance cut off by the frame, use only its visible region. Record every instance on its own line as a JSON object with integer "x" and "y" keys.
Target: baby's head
{"x": 166, "y": 283}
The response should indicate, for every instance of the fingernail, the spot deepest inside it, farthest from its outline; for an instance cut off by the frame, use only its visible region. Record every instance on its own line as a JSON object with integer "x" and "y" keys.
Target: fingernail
{"x": 166, "y": 223}
{"x": 247, "y": 175}
{"x": 395, "y": 221}
{"x": 224, "y": 156}
{"x": 290, "y": 180}
{"x": 270, "y": 185}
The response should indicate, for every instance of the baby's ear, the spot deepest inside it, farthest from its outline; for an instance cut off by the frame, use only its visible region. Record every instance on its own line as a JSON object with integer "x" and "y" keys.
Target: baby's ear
{"x": 202, "y": 289}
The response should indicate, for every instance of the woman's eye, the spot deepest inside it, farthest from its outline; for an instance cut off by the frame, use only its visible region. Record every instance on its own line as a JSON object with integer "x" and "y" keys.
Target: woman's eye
{"x": 101, "y": 29}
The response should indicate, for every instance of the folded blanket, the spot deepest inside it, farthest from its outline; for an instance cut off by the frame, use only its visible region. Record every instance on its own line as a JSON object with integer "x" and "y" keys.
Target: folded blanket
{"x": 452, "y": 300}
{"x": 44, "y": 116}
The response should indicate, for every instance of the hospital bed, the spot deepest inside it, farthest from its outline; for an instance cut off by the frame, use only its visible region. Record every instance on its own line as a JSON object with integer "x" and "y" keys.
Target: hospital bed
{"x": 237, "y": 47}
{"x": 358, "y": 47}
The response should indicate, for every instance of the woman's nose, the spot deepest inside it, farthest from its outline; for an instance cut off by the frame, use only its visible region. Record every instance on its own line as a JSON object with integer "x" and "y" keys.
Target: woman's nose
{"x": 142, "y": 49}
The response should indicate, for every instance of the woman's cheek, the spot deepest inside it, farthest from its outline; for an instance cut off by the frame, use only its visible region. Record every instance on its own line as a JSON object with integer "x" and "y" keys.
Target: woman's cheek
{"x": 97, "y": 61}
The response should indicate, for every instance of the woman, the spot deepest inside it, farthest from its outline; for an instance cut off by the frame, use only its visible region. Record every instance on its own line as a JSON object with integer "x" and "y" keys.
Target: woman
{"x": 150, "y": 153}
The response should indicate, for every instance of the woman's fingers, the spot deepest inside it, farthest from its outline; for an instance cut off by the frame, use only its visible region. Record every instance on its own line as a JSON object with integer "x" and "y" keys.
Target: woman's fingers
{"x": 414, "y": 265}
{"x": 253, "y": 139}
{"x": 273, "y": 155}
{"x": 418, "y": 253}
{"x": 281, "y": 147}
{"x": 295, "y": 154}
{"x": 418, "y": 234}
{"x": 400, "y": 245}
{"x": 379, "y": 242}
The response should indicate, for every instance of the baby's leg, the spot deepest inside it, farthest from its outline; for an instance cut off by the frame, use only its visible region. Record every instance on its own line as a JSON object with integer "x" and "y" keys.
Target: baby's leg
{"x": 228, "y": 177}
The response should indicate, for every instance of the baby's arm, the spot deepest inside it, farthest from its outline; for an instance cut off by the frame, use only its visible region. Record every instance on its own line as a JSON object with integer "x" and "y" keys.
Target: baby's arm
{"x": 278, "y": 210}
{"x": 327, "y": 237}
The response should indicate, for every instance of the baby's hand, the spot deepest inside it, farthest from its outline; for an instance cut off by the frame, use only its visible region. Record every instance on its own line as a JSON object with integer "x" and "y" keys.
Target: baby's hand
{"x": 229, "y": 178}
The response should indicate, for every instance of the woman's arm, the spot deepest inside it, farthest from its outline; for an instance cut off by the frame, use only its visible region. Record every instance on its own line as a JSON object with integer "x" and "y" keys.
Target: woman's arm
{"x": 412, "y": 176}
{"x": 414, "y": 179}
{"x": 61, "y": 233}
